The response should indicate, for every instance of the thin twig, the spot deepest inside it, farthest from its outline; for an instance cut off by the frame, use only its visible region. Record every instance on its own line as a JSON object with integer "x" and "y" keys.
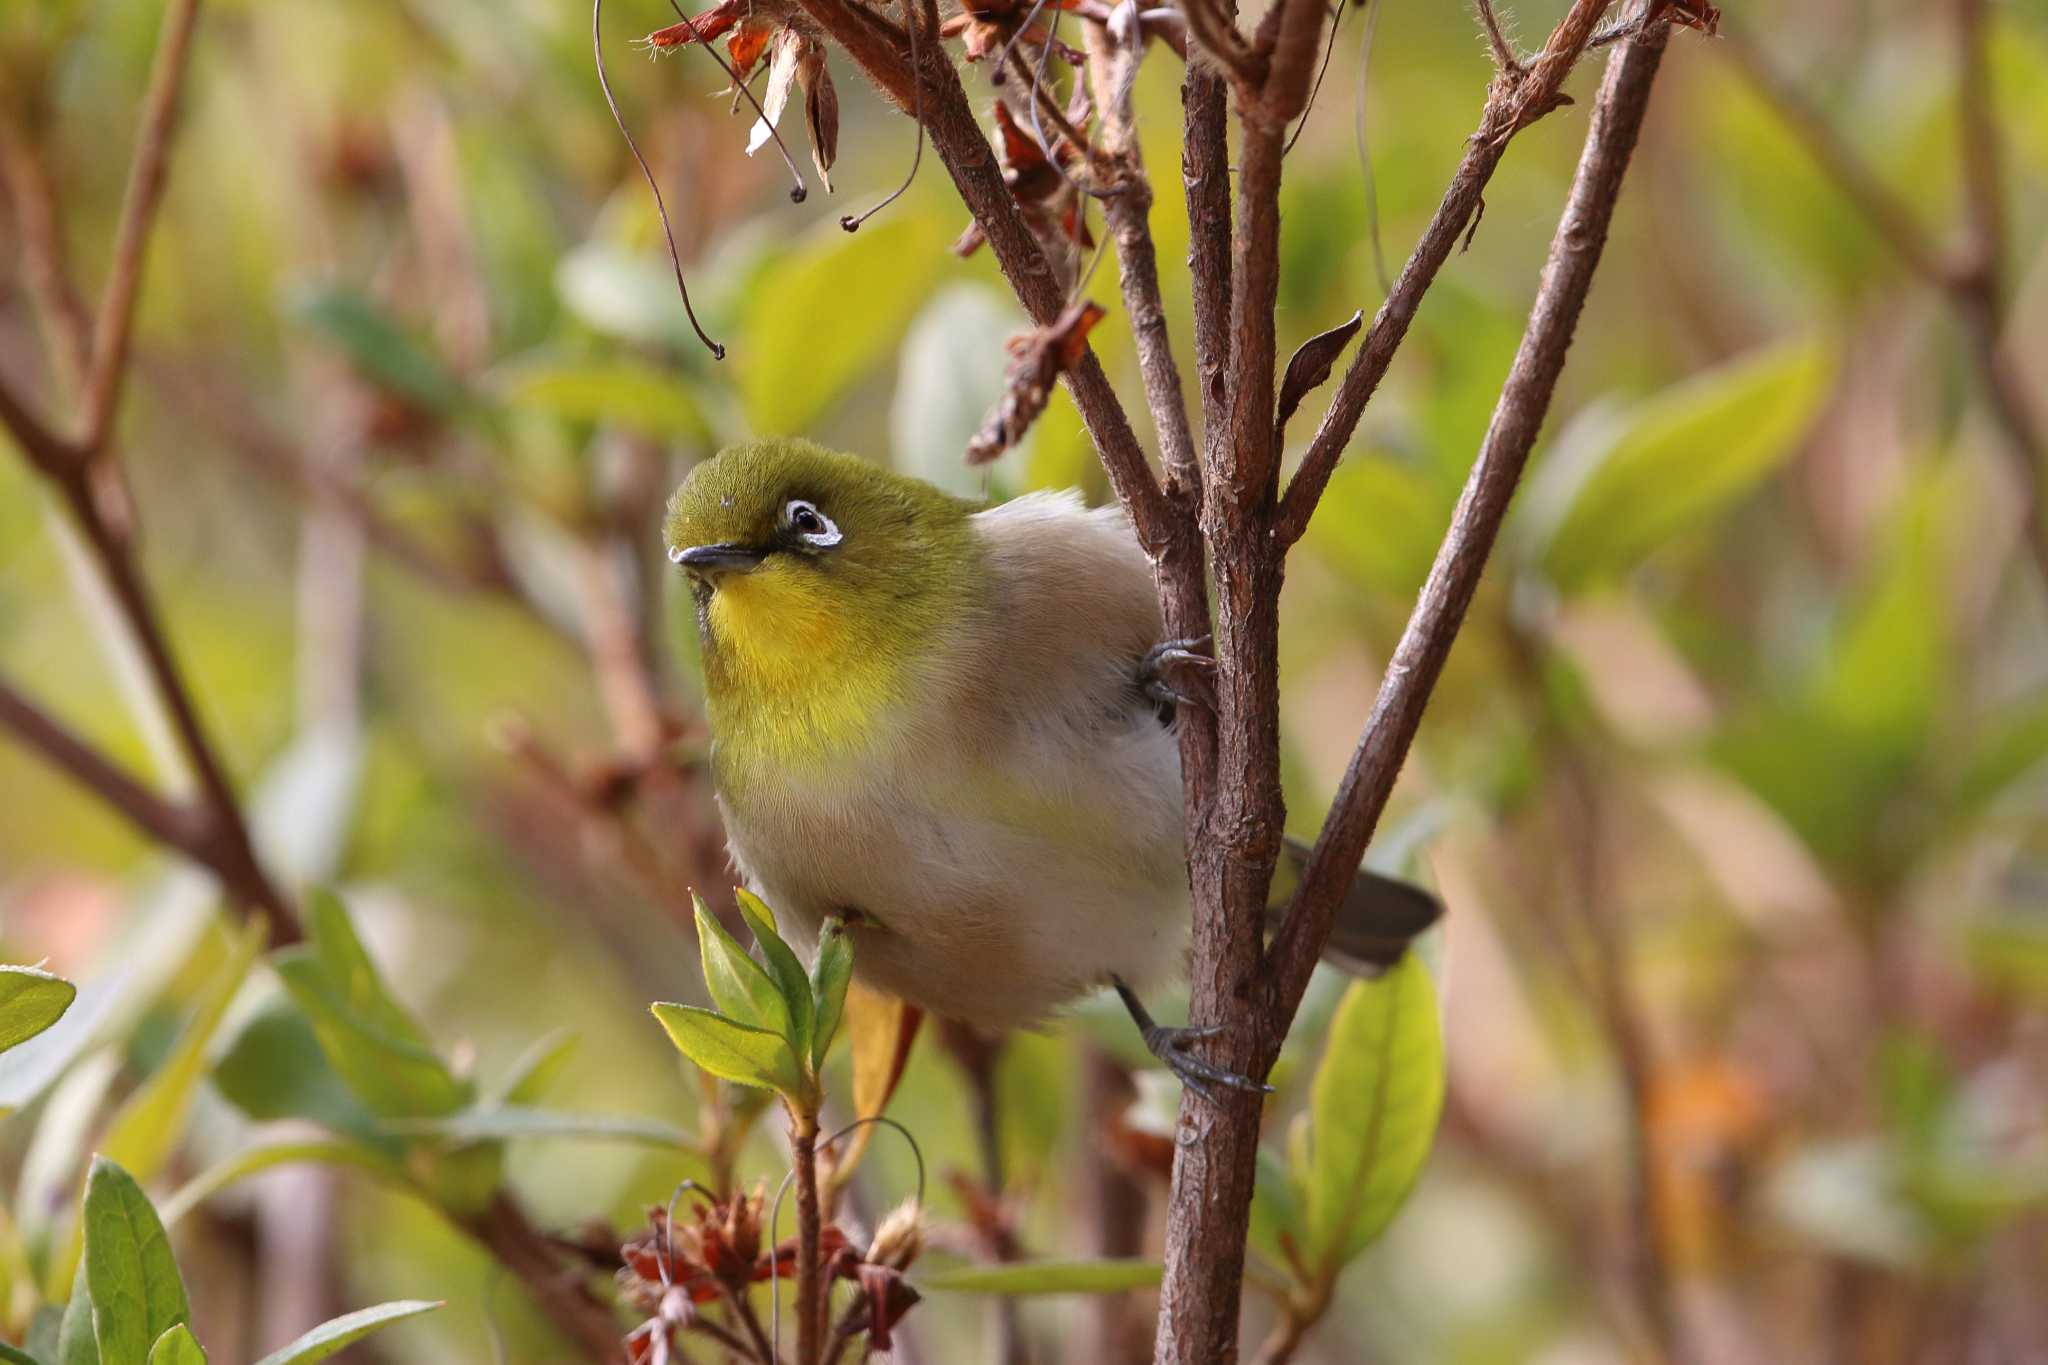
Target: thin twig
{"x": 851, "y": 222}
{"x": 964, "y": 149}
{"x": 1418, "y": 660}
{"x": 797, "y": 191}
{"x": 1336, "y": 22}
{"x": 1510, "y": 105}
{"x": 63, "y": 749}
{"x": 660, "y": 208}
{"x": 1112, "y": 69}
{"x": 1504, "y": 58}
{"x": 148, "y": 172}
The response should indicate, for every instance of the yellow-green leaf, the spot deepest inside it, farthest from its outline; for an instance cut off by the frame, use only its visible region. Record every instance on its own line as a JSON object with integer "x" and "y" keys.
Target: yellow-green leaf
{"x": 137, "y": 1294}
{"x": 1682, "y": 456}
{"x": 730, "y": 1050}
{"x": 331, "y": 1336}
{"x": 829, "y": 976}
{"x": 783, "y": 966}
{"x": 177, "y": 1347}
{"x": 1373, "y": 1111}
{"x": 739, "y": 986}
{"x": 30, "y": 1001}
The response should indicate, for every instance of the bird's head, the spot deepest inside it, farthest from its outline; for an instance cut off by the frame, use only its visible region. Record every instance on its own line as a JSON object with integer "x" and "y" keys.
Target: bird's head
{"x": 813, "y": 568}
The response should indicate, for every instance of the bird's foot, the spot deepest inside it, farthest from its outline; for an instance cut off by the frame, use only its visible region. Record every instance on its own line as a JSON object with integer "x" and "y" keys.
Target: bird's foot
{"x": 1177, "y": 673}
{"x": 1172, "y": 1047}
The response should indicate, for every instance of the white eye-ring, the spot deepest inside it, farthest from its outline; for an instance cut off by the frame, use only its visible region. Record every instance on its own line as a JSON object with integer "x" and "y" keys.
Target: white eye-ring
{"x": 809, "y": 523}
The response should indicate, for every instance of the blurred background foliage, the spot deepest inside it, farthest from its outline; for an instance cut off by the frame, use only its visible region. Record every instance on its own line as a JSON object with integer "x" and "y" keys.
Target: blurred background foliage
{"x": 1735, "y": 786}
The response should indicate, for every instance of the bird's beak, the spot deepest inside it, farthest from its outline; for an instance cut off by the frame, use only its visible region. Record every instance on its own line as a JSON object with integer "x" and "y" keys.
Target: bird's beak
{"x": 715, "y": 559}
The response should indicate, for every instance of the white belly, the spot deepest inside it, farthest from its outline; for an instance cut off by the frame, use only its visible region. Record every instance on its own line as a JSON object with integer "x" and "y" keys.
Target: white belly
{"x": 989, "y": 901}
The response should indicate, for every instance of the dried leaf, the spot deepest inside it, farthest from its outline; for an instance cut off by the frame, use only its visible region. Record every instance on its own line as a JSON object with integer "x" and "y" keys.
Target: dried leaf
{"x": 821, "y": 117}
{"x": 1039, "y": 358}
{"x": 784, "y": 63}
{"x": 1311, "y": 364}
{"x": 749, "y": 40}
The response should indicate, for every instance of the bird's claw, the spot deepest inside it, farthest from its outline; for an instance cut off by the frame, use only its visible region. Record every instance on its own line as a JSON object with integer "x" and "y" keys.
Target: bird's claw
{"x": 1190, "y": 658}
{"x": 1170, "y": 1046}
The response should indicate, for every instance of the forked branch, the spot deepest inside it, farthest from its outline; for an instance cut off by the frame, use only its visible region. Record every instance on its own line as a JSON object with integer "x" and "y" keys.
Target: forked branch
{"x": 1517, "y": 418}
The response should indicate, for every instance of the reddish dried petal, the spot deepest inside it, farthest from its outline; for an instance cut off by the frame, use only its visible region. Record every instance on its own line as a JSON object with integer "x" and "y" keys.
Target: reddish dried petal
{"x": 702, "y": 28}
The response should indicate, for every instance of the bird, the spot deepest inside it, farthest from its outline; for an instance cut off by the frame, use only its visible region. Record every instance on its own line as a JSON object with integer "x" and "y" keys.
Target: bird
{"x": 951, "y": 727}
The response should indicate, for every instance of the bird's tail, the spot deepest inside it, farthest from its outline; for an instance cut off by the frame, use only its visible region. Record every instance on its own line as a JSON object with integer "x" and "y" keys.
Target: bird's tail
{"x": 1377, "y": 920}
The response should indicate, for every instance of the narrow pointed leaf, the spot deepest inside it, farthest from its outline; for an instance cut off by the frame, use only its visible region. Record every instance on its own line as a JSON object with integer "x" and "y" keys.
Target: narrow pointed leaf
{"x": 75, "y": 1343}
{"x": 30, "y": 1001}
{"x": 731, "y": 1051}
{"x": 829, "y": 977}
{"x": 147, "y": 1128}
{"x": 1373, "y": 1110}
{"x": 258, "y": 1159}
{"x": 137, "y": 1294}
{"x": 537, "y": 1069}
{"x": 739, "y": 986}
{"x": 329, "y": 1337}
{"x": 783, "y": 966}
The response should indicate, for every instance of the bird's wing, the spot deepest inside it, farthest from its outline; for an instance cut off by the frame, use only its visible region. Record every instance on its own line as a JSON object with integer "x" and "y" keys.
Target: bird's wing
{"x": 1072, "y": 606}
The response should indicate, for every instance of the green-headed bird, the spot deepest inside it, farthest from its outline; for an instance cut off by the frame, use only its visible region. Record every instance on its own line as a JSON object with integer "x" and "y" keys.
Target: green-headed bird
{"x": 952, "y": 725}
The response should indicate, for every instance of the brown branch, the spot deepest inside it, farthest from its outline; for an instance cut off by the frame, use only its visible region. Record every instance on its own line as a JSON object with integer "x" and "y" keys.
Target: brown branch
{"x": 147, "y": 174}
{"x": 1525, "y": 399}
{"x": 49, "y": 453}
{"x": 810, "y": 1281}
{"x": 968, "y": 158}
{"x": 1205, "y": 171}
{"x": 1128, "y": 208}
{"x": 1516, "y": 99}
{"x": 555, "y": 1281}
{"x": 179, "y": 827}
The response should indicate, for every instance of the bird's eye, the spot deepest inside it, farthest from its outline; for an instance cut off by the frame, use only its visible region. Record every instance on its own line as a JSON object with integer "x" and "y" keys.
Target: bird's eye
{"x": 808, "y": 522}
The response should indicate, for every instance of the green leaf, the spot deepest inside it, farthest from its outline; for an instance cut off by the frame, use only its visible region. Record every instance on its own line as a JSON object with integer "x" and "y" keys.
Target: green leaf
{"x": 30, "y": 1001}
{"x": 829, "y": 976}
{"x": 620, "y": 393}
{"x": 1373, "y": 1110}
{"x": 381, "y": 350}
{"x": 502, "y": 1122}
{"x": 1680, "y": 458}
{"x": 142, "y": 1135}
{"x": 1046, "y": 1277}
{"x": 137, "y": 1294}
{"x": 537, "y": 1069}
{"x": 369, "y": 1039}
{"x": 177, "y": 1347}
{"x": 739, "y": 986}
{"x": 75, "y": 1343}
{"x": 329, "y": 1337}
{"x": 257, "y": 1159}
{"x": 14, "y": 1355}
{"x": 276, "y": 1069}
{"x": 799, "y": 308}
{"x": 731, "y": 1051}
{"x": 783, "y": 967}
